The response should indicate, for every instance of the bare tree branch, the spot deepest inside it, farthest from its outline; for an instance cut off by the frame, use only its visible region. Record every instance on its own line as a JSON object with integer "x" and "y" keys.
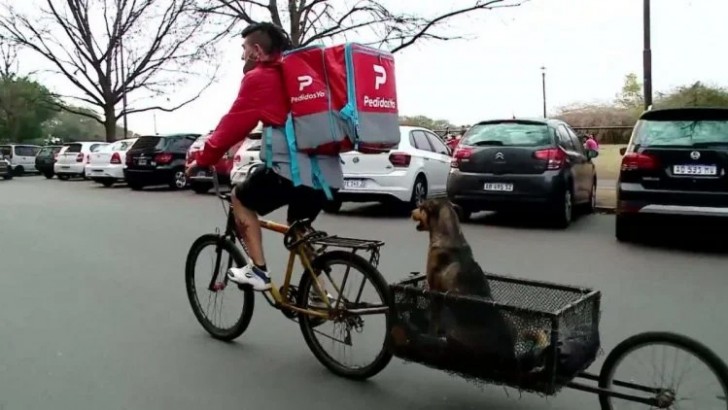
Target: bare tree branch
{"x": 111, "y": 48}
{"x": 372, "y": 21}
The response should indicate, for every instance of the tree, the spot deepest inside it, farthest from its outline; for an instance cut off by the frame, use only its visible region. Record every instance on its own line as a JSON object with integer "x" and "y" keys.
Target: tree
{"x": 425, "y": 122}
{"x": 631, "y": 97}
{"x": 24, "y": 106}
{"x": 111, "y": 49}
{"x": 695, "y": 95}
{"x": 311, "y": 21}
{"x": 69, "y": 126}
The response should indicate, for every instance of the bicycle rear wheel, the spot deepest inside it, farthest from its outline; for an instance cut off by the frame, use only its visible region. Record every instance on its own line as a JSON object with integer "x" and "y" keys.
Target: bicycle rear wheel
{"x": 211, "y": 290}
{"x": 359, "y": 278}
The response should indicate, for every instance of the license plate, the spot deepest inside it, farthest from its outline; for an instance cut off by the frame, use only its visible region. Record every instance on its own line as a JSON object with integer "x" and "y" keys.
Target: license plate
{"x": 354, "y": 183}
{"x": 499, "y": 187}
{"x": 98, "y": 171}
{"x": 142, "y": 161}
{"x": 202, "y": 174}
{"x": 65, "y": 167}
{"x": 695, "y": 170}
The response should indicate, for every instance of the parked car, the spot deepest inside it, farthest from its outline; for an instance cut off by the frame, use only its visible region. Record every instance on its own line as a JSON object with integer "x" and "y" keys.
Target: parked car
{"x": 201, "y": 180}
{"x": 21, "y": 157}
{"x": 46, "y": 158}
{"x": 674, "y": 166}
{"x": 418, "y": 168}
{"x": 71, "y": 161}
{"x": 246, "y": 156}
{"x": 6, "y": 172}
{"x": 520, "y": 164}
{"x": 106, "y": 165}
{"x": 158, "y": 160}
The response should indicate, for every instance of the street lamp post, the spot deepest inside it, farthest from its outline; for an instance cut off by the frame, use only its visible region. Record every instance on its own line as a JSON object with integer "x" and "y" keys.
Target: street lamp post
{"x": 543, "y": 89}
{"x": 123, "y": 82}
{"x": 647, "y": 56}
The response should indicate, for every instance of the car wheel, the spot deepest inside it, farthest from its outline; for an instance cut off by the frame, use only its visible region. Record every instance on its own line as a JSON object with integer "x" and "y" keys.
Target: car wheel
{"x": 624, "y": 229}
{"x": 564, "y": 211}
{"x": 108, "y": 183}
{"x": 8, "y": 176}
{"x": 19, "y": 170}
{"x": 135, "y": 186}
{"x": 200, "y": 188}
{"x": 419, "y": 191}
{"x": 464, "y": 214}
{"x": 48, "y": 175}
{"x": 179, "y": 179}
{"x": 333, "y": 206}
{"x": 63, "y": 177}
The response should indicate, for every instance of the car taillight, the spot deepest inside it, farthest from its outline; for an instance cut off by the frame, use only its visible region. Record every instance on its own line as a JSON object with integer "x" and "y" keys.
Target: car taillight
{"x": 461, "y": 154}
{"x": 79, "y": 157}
{"x": 635, "y": 161}
{"x": 554, "y": 157}
{"x": 116, "y": 158}
{"x": 400, "y": 159}
{"x": 163, "y": 158}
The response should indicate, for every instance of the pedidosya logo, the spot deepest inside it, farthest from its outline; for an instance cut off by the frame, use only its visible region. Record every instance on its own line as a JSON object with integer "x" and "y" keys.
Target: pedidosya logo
{"x": 380, "y": 78}
{"x": 305, "y": 81}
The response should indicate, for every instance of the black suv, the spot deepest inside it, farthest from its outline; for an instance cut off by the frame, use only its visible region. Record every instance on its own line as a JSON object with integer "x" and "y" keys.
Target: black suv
{"x": 675, "y": 164}
{"x": 516, "y": 164}
{"x": 45, "y": 159}
{"x": 158, "y": 160}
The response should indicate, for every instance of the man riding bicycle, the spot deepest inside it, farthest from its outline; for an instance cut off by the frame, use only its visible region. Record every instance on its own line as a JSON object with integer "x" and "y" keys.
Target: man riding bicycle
{"x": 262, "y": 98}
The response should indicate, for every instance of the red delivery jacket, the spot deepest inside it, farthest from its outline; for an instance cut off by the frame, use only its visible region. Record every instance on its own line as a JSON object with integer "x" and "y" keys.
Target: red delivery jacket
{"x": 262, "y": 98}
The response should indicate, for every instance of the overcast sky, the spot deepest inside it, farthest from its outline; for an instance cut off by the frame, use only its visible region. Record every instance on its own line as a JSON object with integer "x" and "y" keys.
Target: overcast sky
{"x": 587, "y": 47}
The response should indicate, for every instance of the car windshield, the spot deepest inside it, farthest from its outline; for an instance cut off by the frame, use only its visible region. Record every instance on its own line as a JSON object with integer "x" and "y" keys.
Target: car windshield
{"x": 508, "y": 134}
{"x": 682, "y": 133}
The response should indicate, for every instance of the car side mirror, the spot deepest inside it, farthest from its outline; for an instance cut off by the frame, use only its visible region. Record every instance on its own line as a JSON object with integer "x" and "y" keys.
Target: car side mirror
{"x": 591, "y": 154}
{"x": 622, "y": 151}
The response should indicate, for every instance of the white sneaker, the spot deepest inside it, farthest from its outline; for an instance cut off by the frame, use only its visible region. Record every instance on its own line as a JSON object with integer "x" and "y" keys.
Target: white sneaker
{"x": 250, "y": 275}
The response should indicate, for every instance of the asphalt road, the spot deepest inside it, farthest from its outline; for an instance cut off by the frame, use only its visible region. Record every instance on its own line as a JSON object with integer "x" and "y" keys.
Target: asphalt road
{"x": 94, "y": 313}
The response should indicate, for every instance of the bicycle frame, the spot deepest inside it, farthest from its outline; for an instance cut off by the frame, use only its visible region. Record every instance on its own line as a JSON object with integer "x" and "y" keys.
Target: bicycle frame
{"x": 297, "y": 239}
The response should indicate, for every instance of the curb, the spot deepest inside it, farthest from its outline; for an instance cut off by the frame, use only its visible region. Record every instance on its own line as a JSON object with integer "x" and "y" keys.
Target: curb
{"x": 608, "y": 210}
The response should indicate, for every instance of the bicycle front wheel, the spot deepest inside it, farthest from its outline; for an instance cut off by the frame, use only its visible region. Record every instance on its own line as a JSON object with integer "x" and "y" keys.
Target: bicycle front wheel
{"x": 359, "y": 300}
{"x": 223, "y": 309}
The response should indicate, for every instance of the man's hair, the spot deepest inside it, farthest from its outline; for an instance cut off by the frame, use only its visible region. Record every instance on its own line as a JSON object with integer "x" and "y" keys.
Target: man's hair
{"x": 271, "y": 38}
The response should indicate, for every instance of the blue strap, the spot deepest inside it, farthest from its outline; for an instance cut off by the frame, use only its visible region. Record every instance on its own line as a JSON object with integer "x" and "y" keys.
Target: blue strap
{"x": 292, "y": 151}
{"x": 317, "y": 177}
{"x": 268, "y": 135}
{"x": 350, "y": 112}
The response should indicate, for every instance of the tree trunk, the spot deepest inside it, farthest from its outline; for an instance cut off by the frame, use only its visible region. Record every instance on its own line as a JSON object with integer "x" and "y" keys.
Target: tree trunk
{"x": 110, "y": 123}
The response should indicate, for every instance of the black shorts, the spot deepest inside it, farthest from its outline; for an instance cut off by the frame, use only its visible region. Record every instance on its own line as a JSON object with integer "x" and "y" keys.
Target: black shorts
{"x": 264, "y": 191}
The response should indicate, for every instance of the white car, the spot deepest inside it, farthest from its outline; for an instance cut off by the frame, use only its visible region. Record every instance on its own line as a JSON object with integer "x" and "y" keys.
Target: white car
{"x": 418, "y": 168}
{"x": 73, "y": 157}
{"x": 21, "y": 157}
{"x": 246, "y": 156}
{"x": 106, "y": 164}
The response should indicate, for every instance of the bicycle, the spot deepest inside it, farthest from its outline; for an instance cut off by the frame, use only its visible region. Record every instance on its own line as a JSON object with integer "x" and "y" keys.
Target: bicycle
{"x": 310, "y": 303}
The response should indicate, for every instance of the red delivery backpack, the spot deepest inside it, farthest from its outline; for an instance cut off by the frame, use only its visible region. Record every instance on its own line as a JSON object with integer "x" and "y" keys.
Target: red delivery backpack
{"x": 342, "y": 98}
{"x": 364, "y": 91}
{"x": 318, "y": 127}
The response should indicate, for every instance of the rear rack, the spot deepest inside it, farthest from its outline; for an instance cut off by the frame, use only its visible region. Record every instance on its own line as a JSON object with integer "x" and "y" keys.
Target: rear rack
{"x": 322, "y": 241}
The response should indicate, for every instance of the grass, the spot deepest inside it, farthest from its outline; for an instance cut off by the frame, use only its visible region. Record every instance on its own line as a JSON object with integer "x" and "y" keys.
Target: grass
{"x": 607, "y": 164}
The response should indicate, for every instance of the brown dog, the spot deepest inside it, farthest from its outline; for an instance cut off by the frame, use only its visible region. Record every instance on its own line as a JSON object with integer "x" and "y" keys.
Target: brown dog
{"x": 451, "y": 268}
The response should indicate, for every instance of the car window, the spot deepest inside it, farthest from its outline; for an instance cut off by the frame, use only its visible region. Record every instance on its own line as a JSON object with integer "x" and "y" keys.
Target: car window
{"x": 97, "y": 147}
{"x": 564, "y": 139}
{"x": 120, "y": 145}
{"x": 180, "y": 144}
{"x": 72, "y": 148}
{"x": 519, "y": 134}
{"x": 437, "y": 144}
{"x": 578, "y": 146}
{"x": 421, "y": 141}
{"x": 22, "y": 151}
{"x": 681, "y": 133}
